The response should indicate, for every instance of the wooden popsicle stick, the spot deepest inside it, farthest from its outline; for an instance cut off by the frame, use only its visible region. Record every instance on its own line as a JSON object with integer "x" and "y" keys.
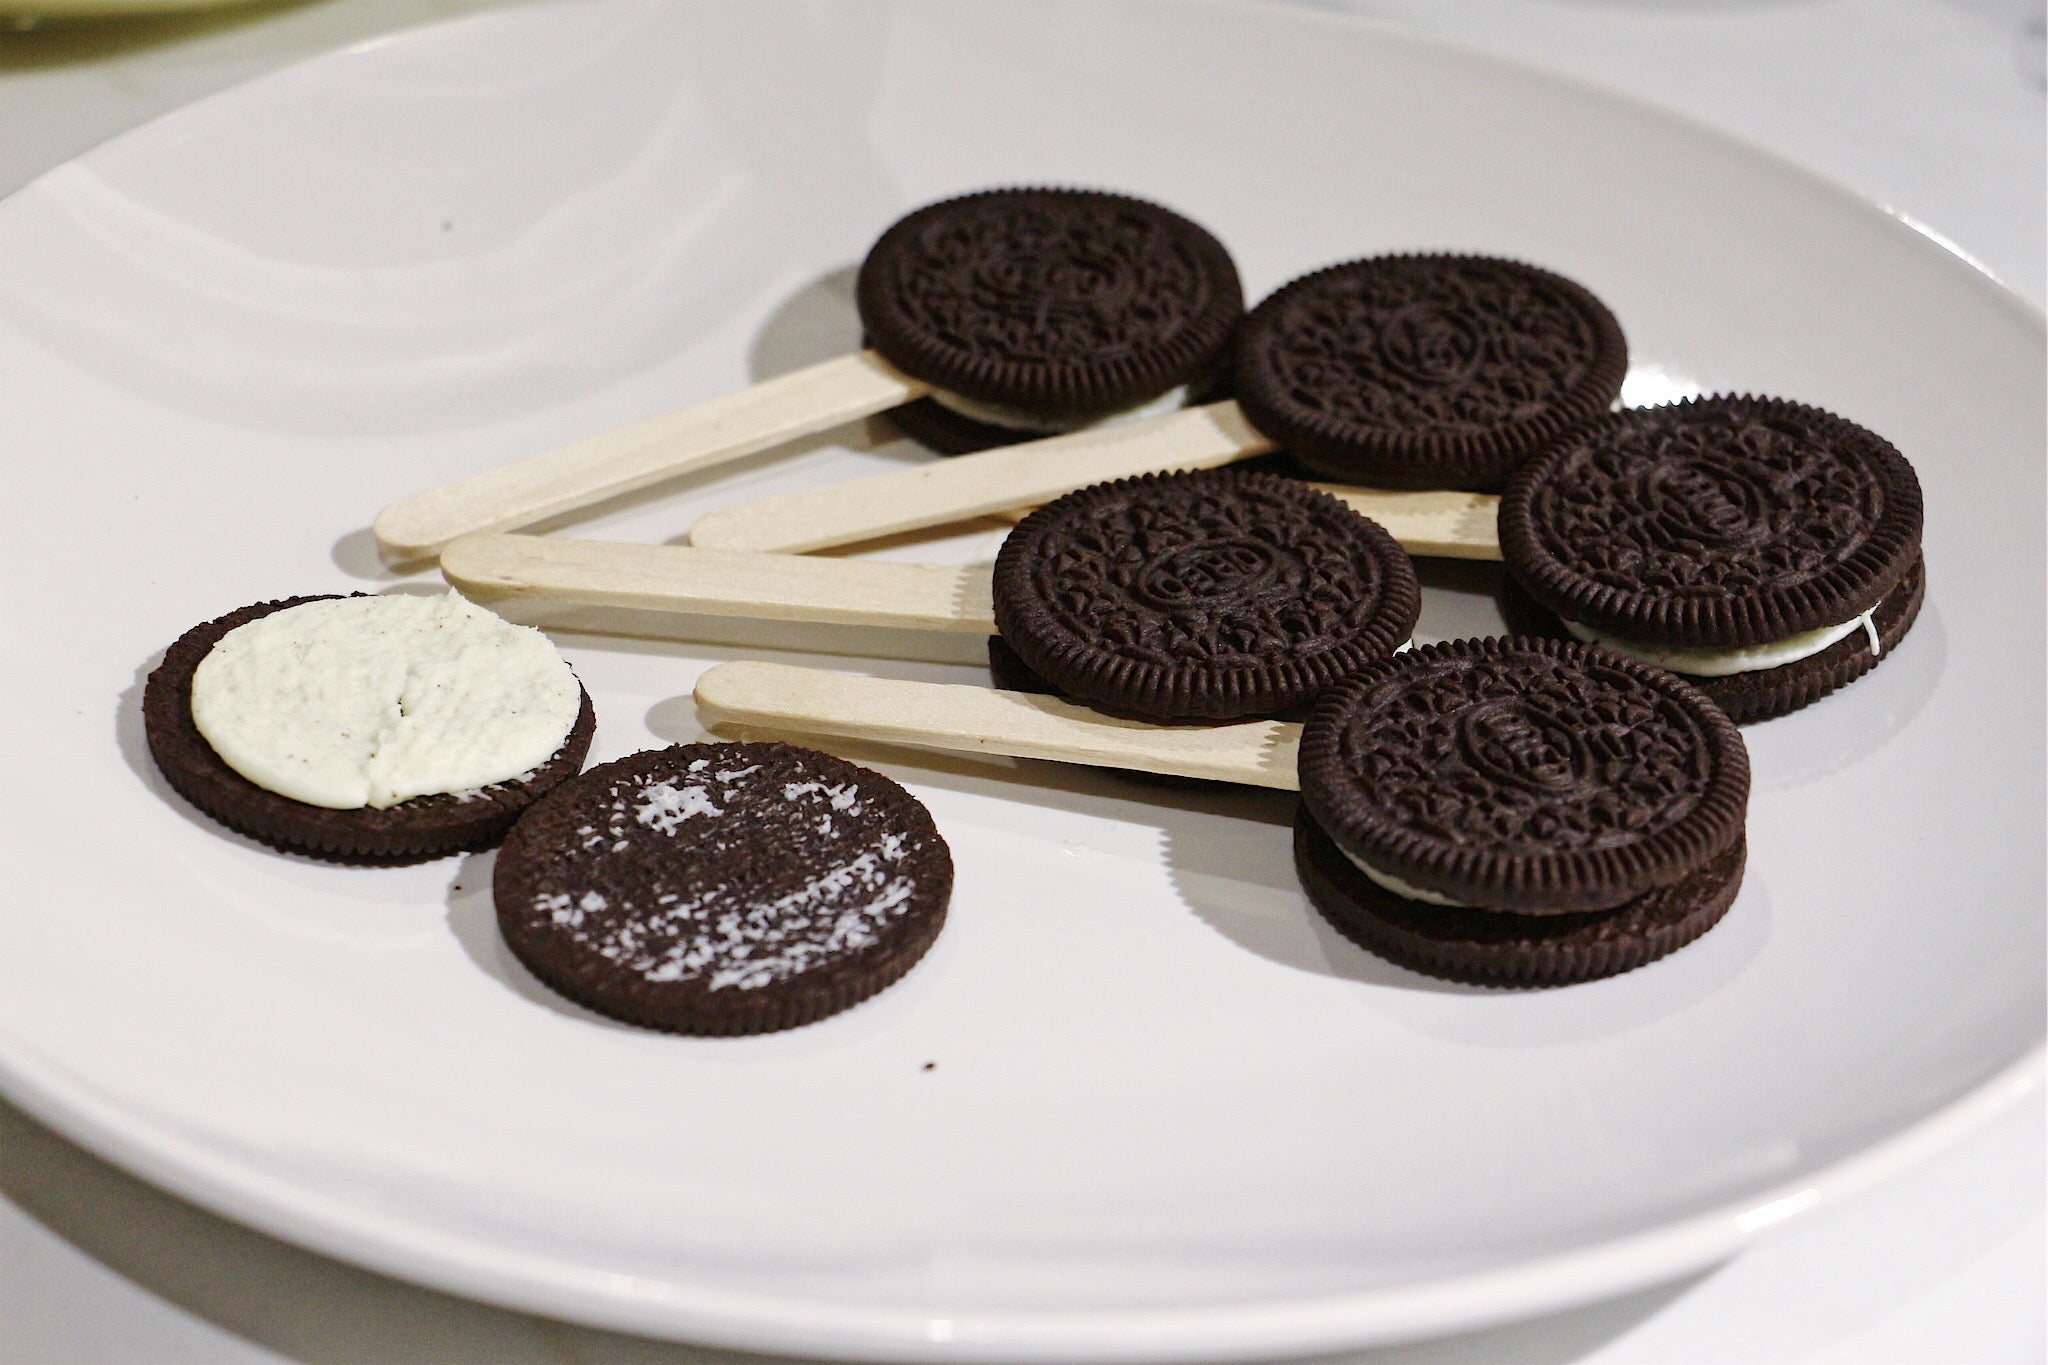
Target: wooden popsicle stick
{"x": 962, "y": 719}
{"x": 600, "y": 467}
{"x": 948, "y": 491}
{"x": 603, "y": 573}
{"x": 1431, "y": 525}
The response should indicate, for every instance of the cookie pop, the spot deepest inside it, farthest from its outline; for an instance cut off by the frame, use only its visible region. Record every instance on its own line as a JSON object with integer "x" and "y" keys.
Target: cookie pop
{"x": 998, "y": 316}
{"x": 1209, "y": 595}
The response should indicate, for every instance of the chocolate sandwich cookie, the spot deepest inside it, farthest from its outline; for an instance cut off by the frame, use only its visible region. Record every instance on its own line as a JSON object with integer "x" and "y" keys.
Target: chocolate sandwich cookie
{"x": 1427, "y": 371}
{"x": 723, "y": 888}
{"x": 1520, "y": 810}
{"x": 1767, "y": 550}
{"x": 413, "y": 830}
{"x": 1216, "y": 595}
{"x": 1039, "y": 311}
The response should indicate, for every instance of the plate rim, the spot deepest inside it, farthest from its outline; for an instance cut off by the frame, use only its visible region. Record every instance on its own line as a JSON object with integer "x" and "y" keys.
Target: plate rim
{"x": 1303, "y": 1324}
{"x": 159, "y": 1154}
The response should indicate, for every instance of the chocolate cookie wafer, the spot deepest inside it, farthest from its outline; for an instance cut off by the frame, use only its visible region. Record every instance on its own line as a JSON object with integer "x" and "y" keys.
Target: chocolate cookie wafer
{"x": 1206, "y": 596}
{"x": 1520, "y": 810}
{"x": 1434, "y": 371}
{"x": 412, "y": 830}
{"x": 1038, "y": 311}
{"x": 1767, "y": 550}
{"x": 723, "y": 888}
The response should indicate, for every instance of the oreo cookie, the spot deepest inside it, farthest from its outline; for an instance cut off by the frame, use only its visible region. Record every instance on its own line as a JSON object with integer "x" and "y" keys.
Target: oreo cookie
{"x": 415, "y": 830}
{"x": 1436, "y": 371}
{"x": 1037, "y": 311}
{"x": 1466, "y": 786}
{"x": 1216, "y": 595}
{"x": 1768, "y": 550}
{"x": 723, "y": 889}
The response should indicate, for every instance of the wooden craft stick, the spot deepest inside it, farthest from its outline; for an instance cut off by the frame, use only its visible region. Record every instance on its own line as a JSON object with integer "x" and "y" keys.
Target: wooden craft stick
{"x": 947, "y": 491}
{"x": 980, "y": 720}
{"x": 589, "y": 471}
{"x": 1430, "y": 525}
{"x": 603, "y": 573}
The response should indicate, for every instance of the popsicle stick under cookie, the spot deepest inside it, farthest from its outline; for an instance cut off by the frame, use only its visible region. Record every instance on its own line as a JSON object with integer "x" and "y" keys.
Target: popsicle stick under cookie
{"x": 963, "y": 719}
{"x": 948, "y": 491}
{"x": 600, "y": 467}
{"x": 604, "y": 573}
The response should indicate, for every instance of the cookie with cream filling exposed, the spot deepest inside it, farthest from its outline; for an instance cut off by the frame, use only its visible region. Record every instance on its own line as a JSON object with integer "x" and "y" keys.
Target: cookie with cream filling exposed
{"x": 365, "y": 729}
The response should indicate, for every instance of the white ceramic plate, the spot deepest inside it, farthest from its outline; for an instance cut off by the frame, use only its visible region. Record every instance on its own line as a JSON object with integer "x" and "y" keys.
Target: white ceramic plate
{"x": 1170, "y": 1114}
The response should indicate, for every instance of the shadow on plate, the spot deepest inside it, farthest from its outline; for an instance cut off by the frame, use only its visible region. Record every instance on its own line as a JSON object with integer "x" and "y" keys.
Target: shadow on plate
{"x": 815, "y": 324}
{"x": 1845, "y": 727}
{"x": 473, "y": 920}
{"x": 132, "y": 738}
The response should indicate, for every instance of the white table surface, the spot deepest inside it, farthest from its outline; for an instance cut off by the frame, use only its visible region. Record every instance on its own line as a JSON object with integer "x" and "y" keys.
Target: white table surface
{"x": 1932, "y": 107}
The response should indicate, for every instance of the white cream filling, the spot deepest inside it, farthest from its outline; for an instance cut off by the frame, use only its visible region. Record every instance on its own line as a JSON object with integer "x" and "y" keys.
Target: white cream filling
{"x": 1722, "y": 663}
{"x": 1053, "y": 424}
{"x": 370, "y": 701}
{"x": 1401, "y": 888}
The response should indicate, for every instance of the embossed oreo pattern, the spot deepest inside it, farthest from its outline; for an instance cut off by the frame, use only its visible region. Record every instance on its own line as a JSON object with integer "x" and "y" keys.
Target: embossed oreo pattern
{"x": 1526, "y": 775}
{"x": 1213, "y": 595}
{"x": 1427, "y": 371}
{"x": 1064, "y": 300}
{"x": 1716, "y": 522}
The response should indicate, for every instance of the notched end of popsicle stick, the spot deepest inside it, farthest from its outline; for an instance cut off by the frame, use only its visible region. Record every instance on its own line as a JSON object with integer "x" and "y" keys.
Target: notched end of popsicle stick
{"x": 1431, "y": 524}
{"x": 684, "y": 579}
{"x": 970, "y": 720}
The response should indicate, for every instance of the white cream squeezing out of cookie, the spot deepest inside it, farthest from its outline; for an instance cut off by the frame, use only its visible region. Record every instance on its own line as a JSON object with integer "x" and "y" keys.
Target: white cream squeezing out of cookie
{"x": 1723, "y": 663}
